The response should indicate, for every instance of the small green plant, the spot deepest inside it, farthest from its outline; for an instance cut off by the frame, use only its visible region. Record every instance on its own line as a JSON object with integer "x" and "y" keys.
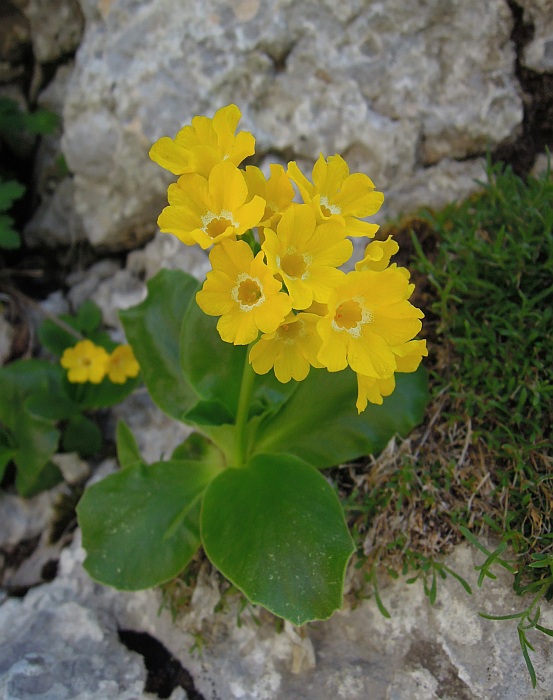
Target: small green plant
{"x": 10, "y": 190}
{"x": 247, "y": 486}
{"x": 14, "y": 121}
{"x": 44, "y": 409}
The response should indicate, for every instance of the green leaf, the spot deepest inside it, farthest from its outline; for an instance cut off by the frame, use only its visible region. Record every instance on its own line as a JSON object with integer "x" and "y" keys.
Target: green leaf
{"x": 48, "y": 477}
{"x": 41, "y": 121}
{"x": 53, "y": 404}
{"x": 90, "y": 396}
{"x": 89, "y": 317}
{"x": 9, "y": 237}
{"x": 35, "y": 439}
{"x": 320, "y": 424}
{"x": 141, "y": 525}
{"x": 57, "y": 339}
{"x": 10, "y": 190}
{"x": 128, "y": 453}
{"x": 214, "y": 368}
{"x": 206, "y": 413}
{"x": 153, "y": 330}
{"x": 276, "y": 530}
{"x": 83, "y": 436}
{"x": 198, "y": 447}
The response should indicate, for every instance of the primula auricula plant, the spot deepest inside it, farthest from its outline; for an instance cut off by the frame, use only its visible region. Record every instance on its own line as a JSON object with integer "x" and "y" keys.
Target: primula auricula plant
{"x": 264, "y": 360}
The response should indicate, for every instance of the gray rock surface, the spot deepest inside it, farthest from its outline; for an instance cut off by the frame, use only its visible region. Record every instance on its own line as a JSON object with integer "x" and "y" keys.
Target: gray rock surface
{"x": 56, "y": 27}
{"x": 406, "y": 92}
{"x": 55, "y": 221}
{"x": 538, "y": 54}
{"x": 63, "y": 643}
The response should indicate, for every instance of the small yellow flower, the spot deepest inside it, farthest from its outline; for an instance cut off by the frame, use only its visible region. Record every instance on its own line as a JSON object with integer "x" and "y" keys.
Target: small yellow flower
{"x": 122, "y": 364}
{"x": 377, "y": 255}
{"x": 243, "y": 292}
{"x": 339, "y": 196}
{"x": 197, "y": 148}
{"x": 277, "y": 191}
{"x": 368, "y": 315}
{"x": 371, "y": 389}
{"x": 208, "y": 211}
{"x": 291, "y": 350}
{"x": 306, "y": 256}
{"x": 85, "y": 362}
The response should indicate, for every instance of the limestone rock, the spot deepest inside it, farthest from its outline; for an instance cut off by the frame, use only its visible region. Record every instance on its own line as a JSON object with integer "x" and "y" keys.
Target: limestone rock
{"x": 399, "y": 87}
{"x": 157, "y": 435}
{"x": 431, "y": 653}
{"x": 55, "y": 221}
{"x": 56, "y": 27}
{"x": 538, "y": 54}
{"x": 114, "y": 288}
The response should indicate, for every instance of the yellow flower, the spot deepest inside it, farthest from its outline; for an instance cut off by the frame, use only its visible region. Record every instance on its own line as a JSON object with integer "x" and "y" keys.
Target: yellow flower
{"x": 199, "y": 147}
{"x": 368, "y": 315}
{"x": 85, "y": 361}
{"x": 290, "y": 350}
{"x": 371, "y": 389}
{"x": 277, "y": 191}
{"x": 306, "y": 255}
{"x": 122, "y": 364}
{"x": 243, "y": 292}
{"x": 408, "y": 358}
{"x": 339, "y": 196}
{"x": 377, "y": 255}
{"x": 208, "y": 211}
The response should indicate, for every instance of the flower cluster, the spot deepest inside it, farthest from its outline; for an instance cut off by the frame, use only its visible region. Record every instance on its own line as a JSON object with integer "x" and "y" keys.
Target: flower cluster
{"x": 287, "y": 284}
{"x": 87, "y": 362}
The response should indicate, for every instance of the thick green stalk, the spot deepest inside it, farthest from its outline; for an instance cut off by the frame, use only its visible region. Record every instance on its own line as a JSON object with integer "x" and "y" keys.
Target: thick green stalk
{"x": 244, "y": 401}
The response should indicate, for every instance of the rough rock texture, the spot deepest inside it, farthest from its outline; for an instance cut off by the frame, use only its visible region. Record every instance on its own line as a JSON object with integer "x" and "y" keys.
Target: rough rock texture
{"x": 114, "y": 288}
{"x": 55, "y": 221}
{"x": 405, "y": 92}
{"x": 56, "y": 27}
{"x": 63, "y": 643}
{"x": 538, "y": 54}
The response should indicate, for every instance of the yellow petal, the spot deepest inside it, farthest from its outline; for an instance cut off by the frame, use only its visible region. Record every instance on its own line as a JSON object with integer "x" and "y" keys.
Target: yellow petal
{"x": 328, "y": 176}
{"x": 170, "y": 155}
{"x": 227, "y": 187}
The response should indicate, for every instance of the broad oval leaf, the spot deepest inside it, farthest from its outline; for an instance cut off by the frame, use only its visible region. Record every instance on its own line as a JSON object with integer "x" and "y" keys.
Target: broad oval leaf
{"x": 276, "y": 530}
{"x": 320, "y": 424}
{"x": 141, "y": 525}
{"x": 153, "y": 330}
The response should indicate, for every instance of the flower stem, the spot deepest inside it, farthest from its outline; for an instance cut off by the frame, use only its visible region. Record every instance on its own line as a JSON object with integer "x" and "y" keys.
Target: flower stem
{"x": 244, "y": 401}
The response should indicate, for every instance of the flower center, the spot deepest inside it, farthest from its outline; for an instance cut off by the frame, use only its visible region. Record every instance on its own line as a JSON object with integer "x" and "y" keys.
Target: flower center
{"x": 215, "y": 225}
{"x": 248, "y": 292}
{"x": 289, "y": 332}
{"x": 328, "y": 209}
{"x": 293, "y": 265}
{"x": 350, "y": 315}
